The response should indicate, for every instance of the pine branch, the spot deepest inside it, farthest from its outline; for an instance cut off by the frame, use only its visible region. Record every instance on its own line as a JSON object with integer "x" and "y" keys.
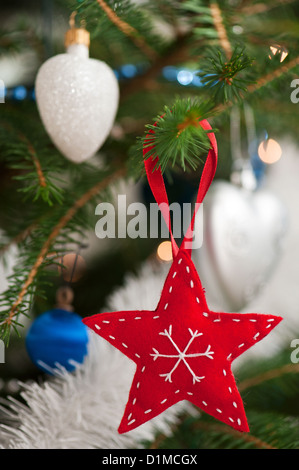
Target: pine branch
{"x": 177, "y": 52}
{"x": 18, "y": 238}
{"x": 31, "y": 152}
{"x": 268, "y": 375}
{"x": 273, "y": 75}
{"x": 169, "y": 11}
{"x": 128, "y": 30}
{"x": 36, "y": 162}
{"x": 220, "y": 28}
{"x": 21, "y": 156}
{"x": 201, "y": 23}
{"x": 124, "y": 29}
{"x": 176, "y": 138}
{"x": 263, "y": 7}
{"x": 28, "y": 283}
{"x": 263, "y": 81}
{"x": 221, "y": 430}
{"x": 204, "y": 433}
{"x": 18, "y": 39}
{"x": 225, "y": 79}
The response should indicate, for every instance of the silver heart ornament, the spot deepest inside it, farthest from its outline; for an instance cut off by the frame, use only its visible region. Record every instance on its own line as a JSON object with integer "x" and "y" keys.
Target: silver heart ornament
{"x": 243, "y": 234}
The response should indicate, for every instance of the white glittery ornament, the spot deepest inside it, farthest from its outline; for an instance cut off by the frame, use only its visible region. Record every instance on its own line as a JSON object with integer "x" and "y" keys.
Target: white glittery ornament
{"x": 244, "y": 233}
{"x": 77, "y": 98}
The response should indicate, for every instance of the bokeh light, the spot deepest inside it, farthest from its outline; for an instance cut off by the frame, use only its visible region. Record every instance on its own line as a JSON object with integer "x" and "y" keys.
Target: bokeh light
{"x": 269, "y": 151}
{"x": 164, "y": 251}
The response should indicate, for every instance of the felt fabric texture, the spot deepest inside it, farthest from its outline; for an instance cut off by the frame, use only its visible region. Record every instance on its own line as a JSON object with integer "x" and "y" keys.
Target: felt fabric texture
{"x": 182, "y": 350}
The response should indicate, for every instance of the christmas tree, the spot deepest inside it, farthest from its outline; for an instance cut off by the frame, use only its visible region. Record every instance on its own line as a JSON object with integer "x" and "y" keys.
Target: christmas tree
{"x": 89, "y": 91}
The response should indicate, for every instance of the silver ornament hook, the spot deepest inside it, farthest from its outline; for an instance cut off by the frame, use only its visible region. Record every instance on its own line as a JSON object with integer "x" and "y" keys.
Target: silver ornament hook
{"x": 242, "y": 171}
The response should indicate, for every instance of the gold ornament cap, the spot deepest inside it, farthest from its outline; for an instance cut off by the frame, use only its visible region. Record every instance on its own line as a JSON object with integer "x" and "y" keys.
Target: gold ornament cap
{"x": 76, "y": 35}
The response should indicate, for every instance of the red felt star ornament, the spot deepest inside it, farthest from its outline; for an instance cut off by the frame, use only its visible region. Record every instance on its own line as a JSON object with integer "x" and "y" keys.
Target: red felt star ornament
{"x": 182, "y": 350}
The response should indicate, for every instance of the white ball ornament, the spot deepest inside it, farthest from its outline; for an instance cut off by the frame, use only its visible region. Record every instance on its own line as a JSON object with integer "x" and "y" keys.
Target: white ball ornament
{"x": 77, "y": 98}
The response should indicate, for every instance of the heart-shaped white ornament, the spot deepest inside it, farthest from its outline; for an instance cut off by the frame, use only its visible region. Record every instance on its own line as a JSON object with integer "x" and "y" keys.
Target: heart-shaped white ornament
{"x": 77, "y": 98}
{"x": 243, "y": 233}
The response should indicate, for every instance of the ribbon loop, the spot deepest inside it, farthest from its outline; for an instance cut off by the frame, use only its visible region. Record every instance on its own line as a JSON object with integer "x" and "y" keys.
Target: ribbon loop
{"x": 156, "y": 182}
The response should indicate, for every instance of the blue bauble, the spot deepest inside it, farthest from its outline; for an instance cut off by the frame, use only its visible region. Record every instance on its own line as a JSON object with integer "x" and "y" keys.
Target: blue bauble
{"x": 56, "y": 337}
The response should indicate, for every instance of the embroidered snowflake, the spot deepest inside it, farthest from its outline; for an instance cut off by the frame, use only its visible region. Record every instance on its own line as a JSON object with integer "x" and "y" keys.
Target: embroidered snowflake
{"x": 182, "y": 356}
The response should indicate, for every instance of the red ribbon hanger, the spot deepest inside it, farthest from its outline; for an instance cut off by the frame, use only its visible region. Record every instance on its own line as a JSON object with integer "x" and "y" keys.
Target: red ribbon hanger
{"x": 156, "y": 182}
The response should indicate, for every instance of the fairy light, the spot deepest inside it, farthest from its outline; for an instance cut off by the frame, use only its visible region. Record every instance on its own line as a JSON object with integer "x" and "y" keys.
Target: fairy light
{"x": 276, "y": 49}
{"x": 269, "y": 151}
{"x": 183, "y": 77}
{"x": 164, "y": 251}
